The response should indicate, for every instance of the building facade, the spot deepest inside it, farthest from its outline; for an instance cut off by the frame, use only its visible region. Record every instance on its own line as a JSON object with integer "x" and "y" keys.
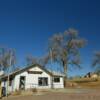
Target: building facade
{"x": 33, "y": 76}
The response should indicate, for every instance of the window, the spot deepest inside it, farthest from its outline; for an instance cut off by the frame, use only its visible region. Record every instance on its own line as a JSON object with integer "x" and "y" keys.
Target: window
{"x": 10, "y": 81}
{"x": 43, "y": 81}
{"x": 56, "y": 79}
{"x": 22, "y": 82}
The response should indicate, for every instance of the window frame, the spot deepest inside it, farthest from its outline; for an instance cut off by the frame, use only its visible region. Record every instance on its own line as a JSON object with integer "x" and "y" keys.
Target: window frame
{"x": 56, "y": 79}
{"x": 43, "y": 80}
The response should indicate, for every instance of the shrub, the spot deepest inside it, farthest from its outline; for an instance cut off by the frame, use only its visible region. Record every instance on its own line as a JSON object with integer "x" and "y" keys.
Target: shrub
{"x": 17, "y": 92}
{"x": 34, "y": 90}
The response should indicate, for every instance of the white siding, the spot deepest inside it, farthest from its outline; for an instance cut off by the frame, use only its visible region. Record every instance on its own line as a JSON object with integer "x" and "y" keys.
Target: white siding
{"x": 59, "y": 84}
{"x": 32, "y": 79}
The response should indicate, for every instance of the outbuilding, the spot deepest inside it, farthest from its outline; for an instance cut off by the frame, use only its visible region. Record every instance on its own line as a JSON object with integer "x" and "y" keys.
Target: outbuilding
{"x": 34, "y": 76}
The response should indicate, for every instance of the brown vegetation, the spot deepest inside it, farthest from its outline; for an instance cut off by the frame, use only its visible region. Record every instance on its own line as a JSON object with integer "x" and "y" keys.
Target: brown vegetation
{"x": 86, "y": 83}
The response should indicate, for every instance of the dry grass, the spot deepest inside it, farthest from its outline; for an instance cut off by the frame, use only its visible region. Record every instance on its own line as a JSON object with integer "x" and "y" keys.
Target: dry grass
{"x": 34, "y": 90}
{"x": 87, "y": 83}
{"x": 17, "y": 92}
{"x": 59, "y": 96}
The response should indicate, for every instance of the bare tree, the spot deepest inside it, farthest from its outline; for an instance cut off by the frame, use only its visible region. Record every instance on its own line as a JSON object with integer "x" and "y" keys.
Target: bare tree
{"x": 7, "y": 61}
{"x": 96, "y": 62}
{"x": 31, "y": 60}
{"x": 64, "y": 49}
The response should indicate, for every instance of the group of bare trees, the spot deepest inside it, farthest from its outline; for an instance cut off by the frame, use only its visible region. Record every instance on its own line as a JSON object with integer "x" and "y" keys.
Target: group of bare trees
{"x": 63, "y": 48}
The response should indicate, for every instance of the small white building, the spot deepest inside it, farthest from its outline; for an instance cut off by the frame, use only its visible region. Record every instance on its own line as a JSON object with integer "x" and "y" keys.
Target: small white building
{"x": 34, "y": 76}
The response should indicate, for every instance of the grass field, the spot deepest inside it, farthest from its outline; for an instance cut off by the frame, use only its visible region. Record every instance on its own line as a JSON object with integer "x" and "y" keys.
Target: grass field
{"x": 87, "y": 83}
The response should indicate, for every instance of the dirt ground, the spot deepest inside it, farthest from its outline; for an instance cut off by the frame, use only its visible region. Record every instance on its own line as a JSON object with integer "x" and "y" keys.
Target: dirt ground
{"x": 93, "y": 95}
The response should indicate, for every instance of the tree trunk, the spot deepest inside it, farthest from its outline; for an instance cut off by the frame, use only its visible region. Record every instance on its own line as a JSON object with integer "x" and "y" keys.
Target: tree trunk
{"x": 7, "y": 92}
{"x": 0, "y": 90}
{"x": 65, "y": 75}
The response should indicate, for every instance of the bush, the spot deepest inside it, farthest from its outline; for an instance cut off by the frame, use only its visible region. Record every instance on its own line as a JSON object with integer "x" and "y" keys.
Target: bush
{"x": 34, "y": 90}
{"x": 17, "y": 92}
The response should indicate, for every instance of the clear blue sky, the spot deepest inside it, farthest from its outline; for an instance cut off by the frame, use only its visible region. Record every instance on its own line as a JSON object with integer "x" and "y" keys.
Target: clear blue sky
{"x": 26, "y": 26}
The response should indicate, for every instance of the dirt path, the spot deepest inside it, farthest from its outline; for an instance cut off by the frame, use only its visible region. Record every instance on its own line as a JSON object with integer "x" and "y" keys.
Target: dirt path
{"x": 59, "y": 96}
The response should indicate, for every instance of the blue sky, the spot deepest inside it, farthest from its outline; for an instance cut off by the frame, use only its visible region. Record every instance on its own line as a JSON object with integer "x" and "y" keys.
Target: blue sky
{"x": 26, "y": 26}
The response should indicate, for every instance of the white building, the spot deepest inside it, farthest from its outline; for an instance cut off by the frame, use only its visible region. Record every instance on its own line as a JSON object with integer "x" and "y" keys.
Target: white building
{"x": 34, "y": 76}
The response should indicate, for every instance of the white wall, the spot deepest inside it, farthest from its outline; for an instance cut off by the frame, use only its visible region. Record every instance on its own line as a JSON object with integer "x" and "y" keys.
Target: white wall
{"x": 59, "y": 84}
{"x": 4, "y": 84}
{"x": 32, "y": 79}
